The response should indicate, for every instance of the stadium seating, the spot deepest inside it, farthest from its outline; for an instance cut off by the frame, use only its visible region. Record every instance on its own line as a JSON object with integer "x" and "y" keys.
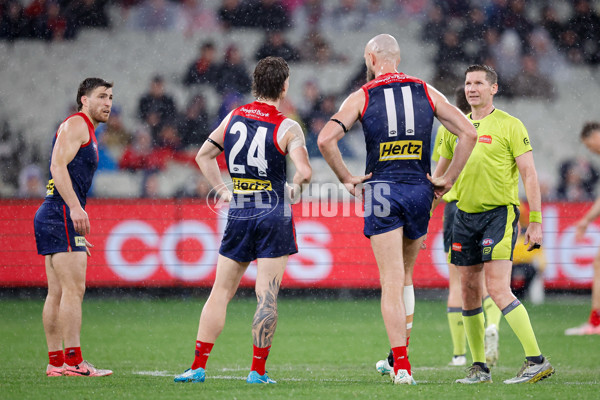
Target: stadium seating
{"x": 39, "y": 81}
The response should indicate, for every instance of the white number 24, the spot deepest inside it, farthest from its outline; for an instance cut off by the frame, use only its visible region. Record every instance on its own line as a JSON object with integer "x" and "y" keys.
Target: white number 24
{"x": 256, "y": 151}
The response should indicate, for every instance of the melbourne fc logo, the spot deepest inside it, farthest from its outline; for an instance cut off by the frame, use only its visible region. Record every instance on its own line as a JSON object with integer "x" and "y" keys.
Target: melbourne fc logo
{"x": 243, "y": 194}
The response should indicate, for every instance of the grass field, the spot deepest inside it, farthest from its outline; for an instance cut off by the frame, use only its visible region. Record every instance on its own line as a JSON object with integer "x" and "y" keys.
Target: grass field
{"x": 323, "y": 349}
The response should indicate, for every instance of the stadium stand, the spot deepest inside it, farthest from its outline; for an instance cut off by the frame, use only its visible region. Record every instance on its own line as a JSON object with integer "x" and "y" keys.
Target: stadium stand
{"x": 39, "y": 77}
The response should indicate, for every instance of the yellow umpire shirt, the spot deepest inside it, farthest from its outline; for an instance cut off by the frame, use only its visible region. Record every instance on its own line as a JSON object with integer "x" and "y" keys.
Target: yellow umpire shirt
{"x": 490, "y": 178}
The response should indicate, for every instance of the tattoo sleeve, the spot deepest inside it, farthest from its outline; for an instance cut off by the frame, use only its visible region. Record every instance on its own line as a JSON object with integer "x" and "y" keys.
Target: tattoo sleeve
{"x": 265, "y": 318}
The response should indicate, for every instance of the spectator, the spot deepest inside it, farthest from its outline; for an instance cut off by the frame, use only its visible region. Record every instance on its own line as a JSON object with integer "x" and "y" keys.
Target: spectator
{"x": 551, "y": 63}
{"x": 232, "y": 74}
{"x": 551, "y": 24}
{"x": 55, "y": 23}
{"x": 436, "y": 25}
{"x": 515, "y": 18}
{"x": 231, "y": 14}
{"x": 448, "y": 61}
{"x": 168, "y": 138}
{"x": 472, "y": 36}
{"x": 156, "y": 107}
{"x": 531, "y": 83}
{"x": 584, "y": 26}
{"x": 194, "y": 124}
{"x": 316, "y": 49}
{"x": 203, "y": 69}
{"x": 311, "y": 101}
{"x": 578, "y": 178}
{"x": 154, "y": 15}
{"x": 13, "y": 24}
{"x": 194, "y": 16}
{"x": 269, "y": 15}
{"x": 86, "y": 14}
{"x": 114, "y": 133}
{"x": 141, "y": 155}
{"x": 31, "y": 182}
{"x": 275, "y": 45}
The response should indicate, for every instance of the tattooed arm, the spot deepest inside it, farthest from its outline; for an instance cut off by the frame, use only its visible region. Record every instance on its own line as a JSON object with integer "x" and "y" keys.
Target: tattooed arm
{"x": 265, "y": 318}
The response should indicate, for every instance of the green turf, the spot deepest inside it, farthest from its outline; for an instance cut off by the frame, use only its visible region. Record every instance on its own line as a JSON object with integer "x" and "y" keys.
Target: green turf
{"x": 322, "y": 350}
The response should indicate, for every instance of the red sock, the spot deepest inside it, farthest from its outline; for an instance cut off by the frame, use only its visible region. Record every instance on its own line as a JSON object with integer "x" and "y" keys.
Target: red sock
{"x": 73, "y": 356}
{"x": 401, "y": 359}
{"x": 202, "y": 352}
{"x": 57, "y": 359}
{"x": 407, "y": 340}
{"x": 259, "y": 359}
{"x": 595, "y": 317}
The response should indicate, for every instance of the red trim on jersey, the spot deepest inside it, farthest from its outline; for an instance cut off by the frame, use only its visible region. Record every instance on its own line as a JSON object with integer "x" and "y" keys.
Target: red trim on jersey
{"x": 364, "y": 110}
{"x": 66, "y": 227}
{"x": 294, "y": 229}
{"x": 90, "y": 129}
{"x": 227, "y": 126}
{"x": 428, "y": 97}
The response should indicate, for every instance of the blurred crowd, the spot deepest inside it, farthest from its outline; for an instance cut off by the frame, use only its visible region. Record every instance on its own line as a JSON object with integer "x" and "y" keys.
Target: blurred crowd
{"x": 528, "y": 43}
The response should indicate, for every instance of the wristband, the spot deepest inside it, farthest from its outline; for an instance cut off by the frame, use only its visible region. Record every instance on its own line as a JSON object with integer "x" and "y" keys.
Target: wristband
{"x": 535, "y": 216}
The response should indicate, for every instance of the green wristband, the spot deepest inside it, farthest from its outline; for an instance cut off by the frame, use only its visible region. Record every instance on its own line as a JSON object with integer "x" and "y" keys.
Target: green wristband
{"x": 535, "y": 216}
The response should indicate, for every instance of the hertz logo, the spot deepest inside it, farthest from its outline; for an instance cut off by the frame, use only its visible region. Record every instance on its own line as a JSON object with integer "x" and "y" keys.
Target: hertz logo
{"x": 50, "y": 188}
{"x": 250, "y": 185}
{"x": 401, "y": 150}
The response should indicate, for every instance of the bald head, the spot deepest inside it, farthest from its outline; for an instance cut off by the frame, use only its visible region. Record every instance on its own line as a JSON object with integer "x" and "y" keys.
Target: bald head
{"x": 384, "y": 46}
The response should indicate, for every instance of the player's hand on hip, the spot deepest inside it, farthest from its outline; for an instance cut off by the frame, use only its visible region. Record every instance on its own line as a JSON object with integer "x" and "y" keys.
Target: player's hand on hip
{"x": 88, "y": 246}
{"x": 440, "y": 184}
{"x": 81, "y": 222}
{"x": 533, "y": 236}
{"x": 354, "y": 184}
{"x": 293, "y": 192}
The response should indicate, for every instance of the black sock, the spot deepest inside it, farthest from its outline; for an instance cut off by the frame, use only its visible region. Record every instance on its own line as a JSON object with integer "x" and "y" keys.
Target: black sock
{"x": 536, "y": 360}
{"x": 483, "y": 366}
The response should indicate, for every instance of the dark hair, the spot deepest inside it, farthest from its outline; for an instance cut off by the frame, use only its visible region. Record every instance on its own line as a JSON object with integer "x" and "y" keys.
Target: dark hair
{"x": 460, "y": 100}
{"x": 269, "y": 78}
{"x": 87, "y": 87}
{"x": 588, "y": 128}
{"x": 490, "y": 75}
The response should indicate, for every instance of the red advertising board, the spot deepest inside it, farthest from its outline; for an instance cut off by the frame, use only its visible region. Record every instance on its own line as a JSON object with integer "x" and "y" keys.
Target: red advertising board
{"x": 172, "y": 243}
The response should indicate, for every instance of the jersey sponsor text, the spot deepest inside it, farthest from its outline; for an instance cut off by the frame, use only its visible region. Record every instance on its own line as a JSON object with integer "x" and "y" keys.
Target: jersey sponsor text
{"x": 401, "y": 150}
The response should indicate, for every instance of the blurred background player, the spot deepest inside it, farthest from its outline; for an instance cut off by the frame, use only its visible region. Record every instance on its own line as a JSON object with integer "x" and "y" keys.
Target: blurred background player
{"x": 454, "y": 304}
{"x": 256, "y": 138}
{"x": 590, "y": 136}
{"x": 61, "y": 224}
{"x": 397, "y": 192}
{"x": 485, "y": 225}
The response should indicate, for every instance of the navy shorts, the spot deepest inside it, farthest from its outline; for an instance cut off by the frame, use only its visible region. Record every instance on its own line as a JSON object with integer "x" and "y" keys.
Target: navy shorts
{"x": 252, "y": 233}
{"x": 449, "y": 213}
{"x": 389, "y": 205}
{"x": 54, "y": 231}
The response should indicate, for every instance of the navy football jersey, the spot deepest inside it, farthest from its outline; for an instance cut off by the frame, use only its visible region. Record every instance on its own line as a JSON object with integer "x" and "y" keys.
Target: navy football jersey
{"x": 256, "y": 163}
{"x": 397, "y": 121}
{"x": 81, "y": 168}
